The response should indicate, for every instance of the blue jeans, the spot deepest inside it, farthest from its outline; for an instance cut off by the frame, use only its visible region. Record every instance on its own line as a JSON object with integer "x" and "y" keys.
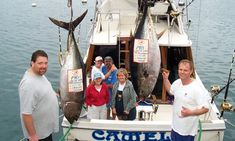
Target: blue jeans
{"x": 132, "y": 114}
{"x": 177, "y": 137}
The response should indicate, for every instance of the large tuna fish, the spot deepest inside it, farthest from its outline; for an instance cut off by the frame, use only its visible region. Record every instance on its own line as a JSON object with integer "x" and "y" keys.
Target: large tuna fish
{"x": 72, "y": 75}
{"x": 146, "y": 73}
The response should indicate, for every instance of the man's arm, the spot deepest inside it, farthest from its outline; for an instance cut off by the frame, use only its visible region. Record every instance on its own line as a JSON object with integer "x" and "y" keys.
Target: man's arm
{"x": 113, "y": 68}
{"x": 106, "y": 76}
{"x": 167, "y": 84}
{"x": 187, "y": 112}
{"x": 28, "y": 122}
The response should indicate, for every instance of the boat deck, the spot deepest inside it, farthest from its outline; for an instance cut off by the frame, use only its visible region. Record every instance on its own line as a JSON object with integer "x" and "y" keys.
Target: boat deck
{"x": 161, "y": 119}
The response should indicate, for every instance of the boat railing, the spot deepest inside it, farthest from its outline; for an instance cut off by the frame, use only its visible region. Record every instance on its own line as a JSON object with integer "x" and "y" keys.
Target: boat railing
{"x": 126, "y": 17}
{"x": 114, "y": 24}
{"x": 105, "y": 22}
{"x": 160, "y": 9}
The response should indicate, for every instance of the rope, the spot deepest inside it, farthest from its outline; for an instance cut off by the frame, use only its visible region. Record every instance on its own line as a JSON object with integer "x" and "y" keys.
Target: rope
{"x": 59, "y": 39}
{"x": 60, "y": 52}
{"x": 71, "y": 14}
{"x": 69, "y": 4}
{"x": 200, "y": 130}
{"x": 63, "y": 137}
{"x": 23, "y": 139}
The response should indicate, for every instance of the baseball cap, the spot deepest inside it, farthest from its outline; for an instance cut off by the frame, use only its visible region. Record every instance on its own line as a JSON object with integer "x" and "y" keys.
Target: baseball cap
{"x": 108, "y": 58}
{"x": 97, "y": 75}
{"x": 98, "y": 58}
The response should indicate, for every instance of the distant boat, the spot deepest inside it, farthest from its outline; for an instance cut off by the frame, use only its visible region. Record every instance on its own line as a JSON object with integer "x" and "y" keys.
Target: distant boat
{"x": 34, "y": 4}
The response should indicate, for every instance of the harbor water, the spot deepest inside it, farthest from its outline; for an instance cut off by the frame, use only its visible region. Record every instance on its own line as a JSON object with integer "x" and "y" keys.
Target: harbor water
{"x": 25, "y": 28}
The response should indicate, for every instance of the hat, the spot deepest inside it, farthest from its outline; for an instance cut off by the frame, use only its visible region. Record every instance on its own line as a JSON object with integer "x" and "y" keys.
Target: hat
{"x": 97, "y": 75}
{"x": 108, "y": 58}
{"x": 98, "y": 58}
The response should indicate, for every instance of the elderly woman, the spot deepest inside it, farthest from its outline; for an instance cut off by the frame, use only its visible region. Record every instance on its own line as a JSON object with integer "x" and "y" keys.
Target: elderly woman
{"x": 97, "y": 98}
{"x": 124, "y": 97}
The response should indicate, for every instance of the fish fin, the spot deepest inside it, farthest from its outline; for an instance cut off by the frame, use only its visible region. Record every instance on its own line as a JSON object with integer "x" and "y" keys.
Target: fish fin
{"x": 69, "y": 25}
{"x": 71, "y": 111}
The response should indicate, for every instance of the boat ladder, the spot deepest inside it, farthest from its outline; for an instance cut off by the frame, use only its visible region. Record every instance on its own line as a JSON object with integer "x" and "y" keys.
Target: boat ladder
{"x": 124, "y": 53}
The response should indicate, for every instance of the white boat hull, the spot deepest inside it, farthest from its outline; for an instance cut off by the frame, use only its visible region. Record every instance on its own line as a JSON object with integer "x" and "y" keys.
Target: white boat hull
{"x": 156, "y": 126}
{"x": 109, "y": 135}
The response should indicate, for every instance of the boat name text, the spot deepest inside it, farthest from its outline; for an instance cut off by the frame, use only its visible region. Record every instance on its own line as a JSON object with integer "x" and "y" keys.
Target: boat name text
{"x": 129, "y": 136}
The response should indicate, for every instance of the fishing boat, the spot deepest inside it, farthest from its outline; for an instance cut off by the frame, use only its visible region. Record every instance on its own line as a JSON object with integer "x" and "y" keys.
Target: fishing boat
{"x": 113, "y": 34}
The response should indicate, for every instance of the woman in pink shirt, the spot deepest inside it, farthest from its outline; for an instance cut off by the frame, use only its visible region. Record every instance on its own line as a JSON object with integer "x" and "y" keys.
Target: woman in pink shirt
{"x": 97, "y": 97}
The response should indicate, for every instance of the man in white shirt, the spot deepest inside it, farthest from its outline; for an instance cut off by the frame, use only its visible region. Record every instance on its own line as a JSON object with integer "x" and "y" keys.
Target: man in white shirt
{"x": 190, "y": 101}
{"x": 39, "y": 109}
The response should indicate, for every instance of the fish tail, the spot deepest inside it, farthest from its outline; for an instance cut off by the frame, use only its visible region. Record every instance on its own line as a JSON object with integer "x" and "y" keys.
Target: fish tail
{"x": 69, "y": 25}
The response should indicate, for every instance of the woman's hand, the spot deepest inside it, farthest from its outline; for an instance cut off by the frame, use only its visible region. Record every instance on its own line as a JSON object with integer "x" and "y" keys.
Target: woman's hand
{"x": 126, "y": 112}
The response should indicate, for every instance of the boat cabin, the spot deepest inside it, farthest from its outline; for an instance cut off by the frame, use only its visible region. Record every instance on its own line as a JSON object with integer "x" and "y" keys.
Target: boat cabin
{"x": 113, "y": 36}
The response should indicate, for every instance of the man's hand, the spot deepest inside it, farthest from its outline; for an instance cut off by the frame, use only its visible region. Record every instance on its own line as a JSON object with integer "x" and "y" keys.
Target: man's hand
{"x": 33, "y": 138}
{"x": 186, "y": 112}
{"x": 113, "y": 68}
{"x": 196, "y": 112}
{"x": 165, "y": 73}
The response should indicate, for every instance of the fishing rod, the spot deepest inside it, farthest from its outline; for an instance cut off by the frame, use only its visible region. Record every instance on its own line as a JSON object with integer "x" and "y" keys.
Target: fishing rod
{"x": 225, "y": 86}
{"x": 226, "y": 90}
{"x": 220, "y": 90}
{"x": 187, "y": 5}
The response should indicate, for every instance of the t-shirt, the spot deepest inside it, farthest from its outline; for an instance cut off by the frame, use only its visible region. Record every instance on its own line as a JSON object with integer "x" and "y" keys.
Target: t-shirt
{"x": 95, "y": 70}
{"x": 112, "y": 77}
{"x": 110, "y": 80}
{"x": 191, "y": 96}
{"x": 37, "y": 98}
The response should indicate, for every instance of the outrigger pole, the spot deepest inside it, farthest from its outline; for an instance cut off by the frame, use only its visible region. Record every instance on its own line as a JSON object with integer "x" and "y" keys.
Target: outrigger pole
{"x": 226, "y": 91}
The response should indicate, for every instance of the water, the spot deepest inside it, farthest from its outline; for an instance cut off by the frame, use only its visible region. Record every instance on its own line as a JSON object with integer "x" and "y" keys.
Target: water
{"x": 24, "y": 28}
